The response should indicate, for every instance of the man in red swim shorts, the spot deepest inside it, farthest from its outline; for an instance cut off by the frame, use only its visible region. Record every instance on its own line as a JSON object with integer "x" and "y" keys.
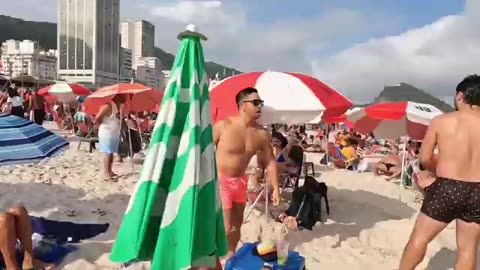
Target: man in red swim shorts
{"x": 238, "y": 139}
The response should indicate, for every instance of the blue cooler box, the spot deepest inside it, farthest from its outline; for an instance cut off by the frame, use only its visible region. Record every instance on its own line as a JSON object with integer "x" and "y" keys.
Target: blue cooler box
{"x": 244, "y": 259}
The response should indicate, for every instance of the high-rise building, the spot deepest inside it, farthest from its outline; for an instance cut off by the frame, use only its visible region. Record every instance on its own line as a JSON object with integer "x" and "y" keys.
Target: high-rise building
{"x": 88, "y": 41}
{"x": 126, "y": 71}
{"x": 138, "y": 36}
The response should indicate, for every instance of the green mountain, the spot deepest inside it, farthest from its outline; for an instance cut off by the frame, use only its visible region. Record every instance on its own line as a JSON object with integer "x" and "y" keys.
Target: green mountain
{"x": 407, "y": 92}
{"x": 46, "y": 34}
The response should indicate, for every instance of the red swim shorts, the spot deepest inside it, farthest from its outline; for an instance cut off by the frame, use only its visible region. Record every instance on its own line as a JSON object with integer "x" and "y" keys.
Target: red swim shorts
{"x": 232, "y": 189}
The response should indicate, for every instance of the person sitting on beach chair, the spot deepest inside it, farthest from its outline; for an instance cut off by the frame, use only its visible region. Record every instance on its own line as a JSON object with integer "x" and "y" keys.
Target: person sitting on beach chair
{"x": 346, "y": 157}
{"x": 15, "y": 224}
{"x": 390, "y": 166}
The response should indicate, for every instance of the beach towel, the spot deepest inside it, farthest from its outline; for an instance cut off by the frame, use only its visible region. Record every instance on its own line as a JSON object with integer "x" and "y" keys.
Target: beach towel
{"x": 45, "y": 251}
{"x": 63, "y": 231}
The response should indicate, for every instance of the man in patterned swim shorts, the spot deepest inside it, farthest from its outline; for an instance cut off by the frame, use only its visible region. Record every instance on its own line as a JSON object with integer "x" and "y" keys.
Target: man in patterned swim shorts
{"x": 455, "y": 194}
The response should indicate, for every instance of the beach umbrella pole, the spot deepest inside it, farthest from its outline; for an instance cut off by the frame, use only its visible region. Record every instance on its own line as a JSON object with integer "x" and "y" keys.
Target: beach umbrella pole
{"x": 403, "y": 167}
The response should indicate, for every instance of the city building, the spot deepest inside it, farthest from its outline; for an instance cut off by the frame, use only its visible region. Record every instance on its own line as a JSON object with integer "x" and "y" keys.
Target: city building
{"x": 166, "y": 76}
{"x": 126, "y": 71}
{"x": 138, "y": 36}
{"x": 149, "y": 72}
{"x": 88, "y": 38}
{"x": 27, "y": 58}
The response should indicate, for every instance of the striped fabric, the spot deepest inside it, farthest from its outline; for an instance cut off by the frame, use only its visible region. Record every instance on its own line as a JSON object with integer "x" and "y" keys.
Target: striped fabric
{"x": 174, "y": 217}
{"x": 22, "y": 141}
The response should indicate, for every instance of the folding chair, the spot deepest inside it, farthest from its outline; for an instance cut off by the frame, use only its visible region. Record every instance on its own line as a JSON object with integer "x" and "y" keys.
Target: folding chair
{"x": 89, "y": 137}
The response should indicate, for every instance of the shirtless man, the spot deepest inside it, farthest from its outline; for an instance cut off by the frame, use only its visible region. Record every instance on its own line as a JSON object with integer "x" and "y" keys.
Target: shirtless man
{"x": 237, "y": 140}
{"x": 455, "y": 194}
{"x": 36, "y": 106}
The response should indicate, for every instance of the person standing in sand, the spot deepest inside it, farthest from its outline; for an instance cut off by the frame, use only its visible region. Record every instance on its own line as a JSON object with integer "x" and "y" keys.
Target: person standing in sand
{"x": 455, "y": 193}
{"x": 109, "y": 133}
{"x": 237, "y": 140}
{"x": 37, "y": 108}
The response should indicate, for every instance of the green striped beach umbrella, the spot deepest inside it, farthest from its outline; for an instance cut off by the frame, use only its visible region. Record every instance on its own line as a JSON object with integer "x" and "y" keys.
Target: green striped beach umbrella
{"x": 174, "y": 218}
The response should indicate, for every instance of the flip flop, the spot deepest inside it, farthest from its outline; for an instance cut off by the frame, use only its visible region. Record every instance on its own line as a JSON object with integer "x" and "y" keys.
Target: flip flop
{"x": 113, "y": 180}
{"x": 99, "y": 212}
{"x": 70, "y": 213}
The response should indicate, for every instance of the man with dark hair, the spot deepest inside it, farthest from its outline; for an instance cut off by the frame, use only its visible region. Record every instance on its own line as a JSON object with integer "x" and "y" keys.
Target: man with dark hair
{"x": 455, "y": 194}
{"x": 237, "y": 140}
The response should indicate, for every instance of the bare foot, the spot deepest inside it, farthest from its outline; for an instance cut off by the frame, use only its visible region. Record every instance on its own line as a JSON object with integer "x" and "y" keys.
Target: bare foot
{"x": 109, "y": 177}
{"x": 37, "y": 264}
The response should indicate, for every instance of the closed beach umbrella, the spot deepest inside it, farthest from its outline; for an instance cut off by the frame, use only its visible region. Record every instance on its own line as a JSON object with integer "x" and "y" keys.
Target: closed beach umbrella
{"x": 65, "y": 92}
{"x": 22, "y": 141}
{"x": 174, "y": 216}
{"x": 290, "y": 98}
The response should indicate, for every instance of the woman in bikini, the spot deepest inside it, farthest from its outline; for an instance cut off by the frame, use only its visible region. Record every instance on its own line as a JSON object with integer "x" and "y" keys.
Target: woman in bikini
{"x": 390, "y": 166}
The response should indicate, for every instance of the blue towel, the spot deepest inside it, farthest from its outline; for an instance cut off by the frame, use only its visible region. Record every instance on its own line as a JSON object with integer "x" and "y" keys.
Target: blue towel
{"x": 44, "y": 251}
{"x": 244, "y": 259}
{"x": 65, "y": 231}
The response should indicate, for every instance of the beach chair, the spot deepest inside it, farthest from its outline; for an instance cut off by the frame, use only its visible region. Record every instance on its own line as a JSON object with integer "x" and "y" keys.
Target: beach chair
{"x": 411, "y": 174}
{"x": 297, "y": 155}
{"x": 89, "y": 132}
{"x": 339, "y": 160}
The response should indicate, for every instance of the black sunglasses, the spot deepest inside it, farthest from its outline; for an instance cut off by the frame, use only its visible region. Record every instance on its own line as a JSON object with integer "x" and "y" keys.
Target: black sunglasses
{"x": 256, "y": 102}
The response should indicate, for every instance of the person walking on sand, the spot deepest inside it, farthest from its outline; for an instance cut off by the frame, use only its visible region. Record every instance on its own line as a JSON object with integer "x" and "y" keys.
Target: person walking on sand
{"x": 109, "y": 133}
{"x": 237, "y": 140}
{"x": 455, "y": 194}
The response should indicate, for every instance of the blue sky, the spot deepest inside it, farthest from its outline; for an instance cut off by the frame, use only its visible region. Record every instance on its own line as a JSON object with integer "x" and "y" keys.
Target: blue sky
{"x": 357, "y": 46}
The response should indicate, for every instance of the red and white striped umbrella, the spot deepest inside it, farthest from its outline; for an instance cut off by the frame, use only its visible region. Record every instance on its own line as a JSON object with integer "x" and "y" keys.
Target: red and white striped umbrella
{"x": 290, "y": 98}
{"x": 65, "y": 92}
{"x": 391, "y": 120}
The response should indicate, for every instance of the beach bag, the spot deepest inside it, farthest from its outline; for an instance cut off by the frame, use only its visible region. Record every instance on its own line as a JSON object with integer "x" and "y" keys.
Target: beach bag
{"x": 306, "y": 204}
{"x": 124, "y": 146}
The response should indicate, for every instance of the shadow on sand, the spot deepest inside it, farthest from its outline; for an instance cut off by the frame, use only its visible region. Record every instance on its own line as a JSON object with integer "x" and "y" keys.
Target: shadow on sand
{"x": 60, "y": 198}
{"x": 353, "y": 212}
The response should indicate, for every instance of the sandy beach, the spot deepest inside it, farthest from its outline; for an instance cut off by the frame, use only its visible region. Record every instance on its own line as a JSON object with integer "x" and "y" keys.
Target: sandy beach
{"x": 367, "y": 229}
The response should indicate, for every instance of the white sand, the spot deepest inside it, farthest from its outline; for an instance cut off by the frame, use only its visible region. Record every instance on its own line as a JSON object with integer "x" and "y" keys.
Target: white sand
{"x": 367, "y": 229}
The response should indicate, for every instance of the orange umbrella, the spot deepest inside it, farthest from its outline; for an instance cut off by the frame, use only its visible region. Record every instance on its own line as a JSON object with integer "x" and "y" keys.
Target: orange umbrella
{"x": 141, "y": 97}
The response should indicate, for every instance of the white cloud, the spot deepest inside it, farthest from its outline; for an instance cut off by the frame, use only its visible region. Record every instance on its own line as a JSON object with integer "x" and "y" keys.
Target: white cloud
{"x": 201, "y": 12}
{"x": 279, "y": 45}
{"x": 434, "y": 57}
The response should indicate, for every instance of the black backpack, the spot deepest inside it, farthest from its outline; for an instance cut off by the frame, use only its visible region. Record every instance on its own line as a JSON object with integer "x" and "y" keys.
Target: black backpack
{"x": 124, "y": 147}
{"x": 306, "y": 203}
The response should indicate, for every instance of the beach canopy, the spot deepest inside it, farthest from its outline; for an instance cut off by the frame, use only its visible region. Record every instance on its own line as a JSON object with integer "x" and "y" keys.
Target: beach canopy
{"x": 22, "y": 141}
{"x": 141, "y": 97}
{"x": 174, "y": 217}
{"x": 290, "y": 98}
{"x": 65, "y": 92}
{"x": 391, "y": 120}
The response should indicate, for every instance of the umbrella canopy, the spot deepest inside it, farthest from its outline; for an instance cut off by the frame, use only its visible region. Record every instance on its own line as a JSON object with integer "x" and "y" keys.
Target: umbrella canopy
{"x": 290, "y": 98}
{"x": 22, "y": 141}
{"x": 335, "y": 119}
{"x": 65, "y": 92}
{"x": 141, "y": 97}
{"x": 391, "y": 120}
{"x": 174, "y": 217}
